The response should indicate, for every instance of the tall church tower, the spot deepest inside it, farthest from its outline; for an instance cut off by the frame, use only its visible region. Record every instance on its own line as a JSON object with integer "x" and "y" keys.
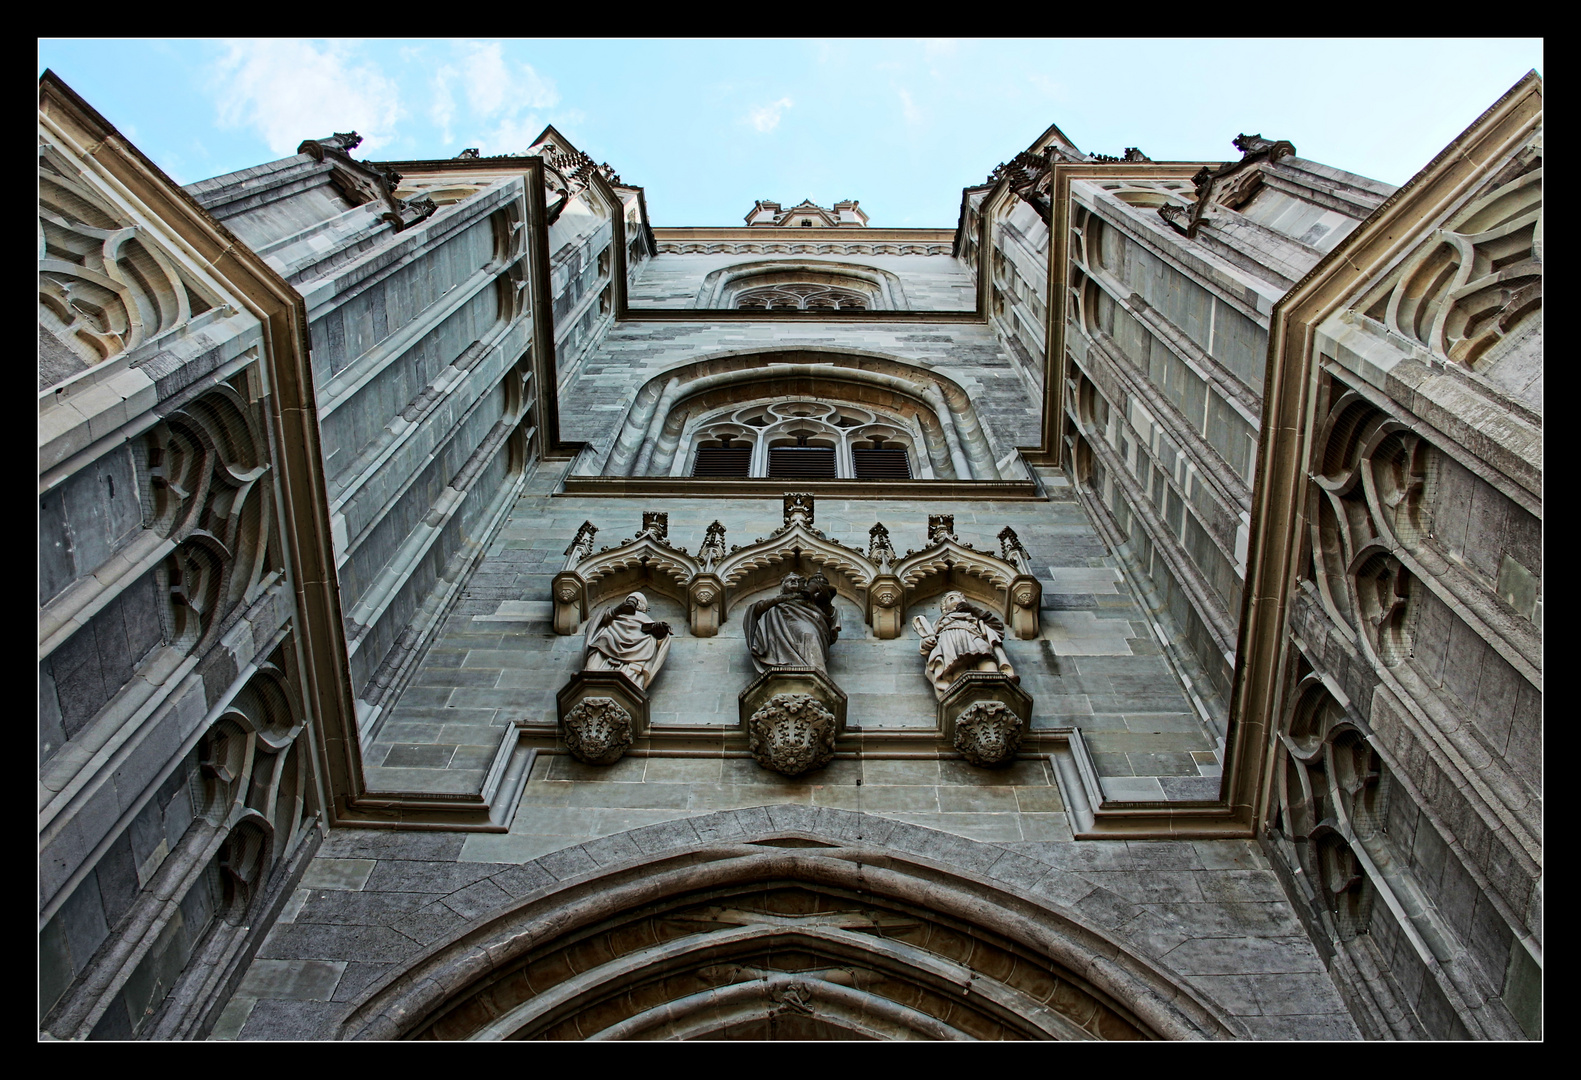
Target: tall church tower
{"x": 470, "y": 612}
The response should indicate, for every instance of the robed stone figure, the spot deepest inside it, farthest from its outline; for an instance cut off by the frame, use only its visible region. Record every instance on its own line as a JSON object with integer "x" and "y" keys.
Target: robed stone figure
{"x": 795, "y": 628}
{"x": 966, "y": 638}
{"x": 623, "y": 638}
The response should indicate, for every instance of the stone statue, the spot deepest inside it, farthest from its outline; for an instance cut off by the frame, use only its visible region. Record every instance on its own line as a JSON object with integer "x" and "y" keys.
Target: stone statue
{"x": 795, "y": 628}
{"x": 624, "y": 639}
{"x": 966, "y": 638}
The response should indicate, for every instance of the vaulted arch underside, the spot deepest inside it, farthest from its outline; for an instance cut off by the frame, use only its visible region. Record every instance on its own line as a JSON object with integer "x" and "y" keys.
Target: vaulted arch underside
{"x": 777, "y": 933}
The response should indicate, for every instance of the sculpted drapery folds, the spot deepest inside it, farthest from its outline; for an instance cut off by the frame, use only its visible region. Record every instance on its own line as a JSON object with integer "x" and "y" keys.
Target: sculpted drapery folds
{"x": 623, "y": 638}
{"x": 966, "y": 638}
{"x": 795, "y": 628}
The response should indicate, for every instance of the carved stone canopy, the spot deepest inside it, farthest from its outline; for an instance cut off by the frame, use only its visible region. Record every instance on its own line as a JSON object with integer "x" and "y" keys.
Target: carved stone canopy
{"x": 877, "y": 581}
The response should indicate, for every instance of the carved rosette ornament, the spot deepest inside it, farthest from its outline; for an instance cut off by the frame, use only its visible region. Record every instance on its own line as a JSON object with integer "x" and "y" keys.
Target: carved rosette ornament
{"x": 988, "y": 734}
{"x": 792, "y": 733}
{"x": 598, "y": 731}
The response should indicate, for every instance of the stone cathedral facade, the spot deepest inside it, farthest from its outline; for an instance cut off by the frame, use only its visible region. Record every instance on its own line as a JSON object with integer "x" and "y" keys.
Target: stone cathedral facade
{"x": 469, "y": 612}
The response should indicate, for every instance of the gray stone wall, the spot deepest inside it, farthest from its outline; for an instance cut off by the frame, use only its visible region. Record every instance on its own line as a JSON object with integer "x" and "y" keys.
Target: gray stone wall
{"x": 177, "y": 791}
{"x": 1410, "y": 802}
{"x": 635, "y": 355}
{"x": 1167, "y": 343}
{"x": 925, "y": 282}
{"x": 420, "y": 346}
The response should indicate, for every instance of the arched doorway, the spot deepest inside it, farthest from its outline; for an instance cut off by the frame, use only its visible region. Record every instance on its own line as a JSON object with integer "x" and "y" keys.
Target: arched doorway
{"x": 788, "y": 930}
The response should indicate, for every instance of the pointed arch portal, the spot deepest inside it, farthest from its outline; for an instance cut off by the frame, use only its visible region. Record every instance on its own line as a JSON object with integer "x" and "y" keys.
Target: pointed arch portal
{"x": 788, "y": 922}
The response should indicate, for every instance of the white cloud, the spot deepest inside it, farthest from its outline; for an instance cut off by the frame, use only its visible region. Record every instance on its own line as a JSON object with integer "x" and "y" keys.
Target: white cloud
{"x": 511, "y": 136}
{"x": 495, "y": 85}
{"x": 768, "y": 117}
{"x": 500, "y": 96}
{"x": 908, "y": 108}
{"x": 935, "y": 47}
{"x": 442, "y": 110}
{"x": 289, "y": 90}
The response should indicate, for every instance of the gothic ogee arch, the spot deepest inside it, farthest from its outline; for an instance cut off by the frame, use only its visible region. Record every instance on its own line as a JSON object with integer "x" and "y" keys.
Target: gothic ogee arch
{"x": 651, "y": 435}
{"x": 783, "y": 922}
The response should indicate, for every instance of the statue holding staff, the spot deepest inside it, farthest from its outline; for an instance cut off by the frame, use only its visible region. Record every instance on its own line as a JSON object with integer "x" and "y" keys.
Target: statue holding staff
{"x": 966, "y": 638}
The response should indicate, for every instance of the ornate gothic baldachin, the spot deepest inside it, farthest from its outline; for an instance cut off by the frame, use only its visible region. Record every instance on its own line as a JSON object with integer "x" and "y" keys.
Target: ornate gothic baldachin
{"x": 875, "y": 578}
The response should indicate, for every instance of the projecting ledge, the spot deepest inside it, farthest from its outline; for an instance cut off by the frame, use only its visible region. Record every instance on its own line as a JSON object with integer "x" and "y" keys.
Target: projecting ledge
{"x": 715, "y": 487}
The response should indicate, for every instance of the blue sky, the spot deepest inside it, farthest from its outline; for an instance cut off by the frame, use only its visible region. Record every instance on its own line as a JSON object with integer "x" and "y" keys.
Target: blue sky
{"x": 708, "y": 126}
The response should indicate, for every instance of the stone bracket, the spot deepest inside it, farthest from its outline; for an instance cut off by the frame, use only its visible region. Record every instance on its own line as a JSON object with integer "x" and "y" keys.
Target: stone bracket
{"x": 601, "y": 714}
{"x": 792, "y": 717}
{"x": 984, "y": 715}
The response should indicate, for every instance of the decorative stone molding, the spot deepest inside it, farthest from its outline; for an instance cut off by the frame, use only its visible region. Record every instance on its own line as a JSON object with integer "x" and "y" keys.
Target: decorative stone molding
{"x": 673, "y": 247}
{"x": 873, "y": 581}
{"x": 984, "y": 715}
{"x": 601, "y": 714}
{"x": 792, "y": 717}
{"x": 1479, "y": 277}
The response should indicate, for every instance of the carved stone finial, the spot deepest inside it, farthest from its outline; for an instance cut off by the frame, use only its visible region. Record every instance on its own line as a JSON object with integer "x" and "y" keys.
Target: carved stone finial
{"x": 468, "y": 153}
{"x": 988, "y": 734}
{"x": 348, "y": 140}
{"x": 598, "y": 731}
{"x": 1012, "y": 550}
{"x": 1254, "y": 150}
{"x": 798, "y": 508}
{"x": 791, "y": 733}
{"x": 879, "y": 549}
{"x": 941, "y": 527}
{"x": 656, "y": 523}
{"x": 713, "y": 543}
{"x": 582, "y": 546}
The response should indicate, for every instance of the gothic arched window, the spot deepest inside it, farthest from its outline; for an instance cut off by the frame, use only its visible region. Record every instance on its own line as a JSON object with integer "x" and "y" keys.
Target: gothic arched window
{"x": 801, "y": 297}
{"x": 804, "y": 440}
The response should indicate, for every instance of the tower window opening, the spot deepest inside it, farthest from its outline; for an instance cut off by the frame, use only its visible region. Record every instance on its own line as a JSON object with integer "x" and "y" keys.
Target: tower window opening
{"x": 880, "y": 463}
{"x": 802, "y": 462}
{"x": 722, "y": 461}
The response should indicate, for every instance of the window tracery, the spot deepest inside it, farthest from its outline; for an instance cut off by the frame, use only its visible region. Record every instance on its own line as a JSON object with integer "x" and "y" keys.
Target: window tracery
{"x": 805, "y": 439}
{"x": 797, "y": 297}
